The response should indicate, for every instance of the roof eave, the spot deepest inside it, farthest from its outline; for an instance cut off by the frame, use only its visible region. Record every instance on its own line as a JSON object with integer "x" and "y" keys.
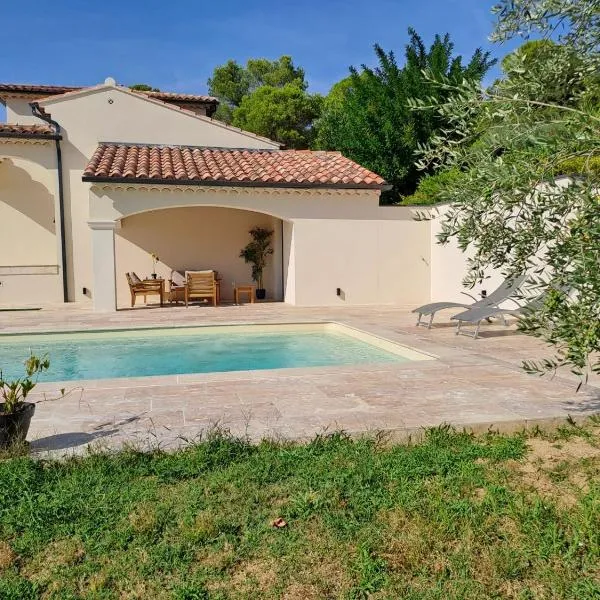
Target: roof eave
{"x": 221, "y": 183}
{"x": 180, "y": 100}
{"x": 30, "y": 136}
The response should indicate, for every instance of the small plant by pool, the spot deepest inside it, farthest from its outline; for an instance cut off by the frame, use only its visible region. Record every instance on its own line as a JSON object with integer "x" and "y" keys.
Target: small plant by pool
{"x": 139, "y": 353}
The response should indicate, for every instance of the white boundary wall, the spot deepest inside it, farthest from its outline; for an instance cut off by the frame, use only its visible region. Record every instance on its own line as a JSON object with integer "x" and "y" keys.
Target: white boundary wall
{"x": 449, "y": 267}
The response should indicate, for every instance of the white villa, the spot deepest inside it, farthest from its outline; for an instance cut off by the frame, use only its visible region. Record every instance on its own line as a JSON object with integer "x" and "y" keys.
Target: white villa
{"x": 93, "y": 180}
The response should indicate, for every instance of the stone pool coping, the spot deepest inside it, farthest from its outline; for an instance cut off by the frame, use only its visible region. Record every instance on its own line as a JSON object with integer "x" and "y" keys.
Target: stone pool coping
{"x": 475, "y": 384}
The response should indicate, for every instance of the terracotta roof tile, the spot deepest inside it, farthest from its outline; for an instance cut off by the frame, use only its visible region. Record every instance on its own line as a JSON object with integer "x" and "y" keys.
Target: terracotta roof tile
{"x": 43, "y": 91}
{"x": 224, "y": 166}
{"x": 26, "y": 88}
{"x": 185, "y": 98}
{"x": 26, "y": 131}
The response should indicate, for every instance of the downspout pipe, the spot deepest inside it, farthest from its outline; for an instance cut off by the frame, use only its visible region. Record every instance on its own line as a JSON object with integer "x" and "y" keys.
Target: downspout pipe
{"x": 40, "y": 114}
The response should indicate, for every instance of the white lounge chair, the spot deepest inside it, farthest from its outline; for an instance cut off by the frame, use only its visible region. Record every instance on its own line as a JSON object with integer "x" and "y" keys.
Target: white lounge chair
{"x": 500, "y": 294}
{"x": 476, "y": 315}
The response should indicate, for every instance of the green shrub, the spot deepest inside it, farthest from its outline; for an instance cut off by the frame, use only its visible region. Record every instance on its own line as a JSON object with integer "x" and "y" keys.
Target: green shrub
{"x": 431, "y": 189}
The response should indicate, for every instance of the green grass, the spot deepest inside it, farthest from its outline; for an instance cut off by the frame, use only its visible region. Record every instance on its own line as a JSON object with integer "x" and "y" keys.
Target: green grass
{"x": 454, "y": 516}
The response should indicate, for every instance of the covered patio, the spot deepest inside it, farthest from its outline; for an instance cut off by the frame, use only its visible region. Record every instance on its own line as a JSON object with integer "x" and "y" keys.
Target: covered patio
{"x": 196, "y": 238}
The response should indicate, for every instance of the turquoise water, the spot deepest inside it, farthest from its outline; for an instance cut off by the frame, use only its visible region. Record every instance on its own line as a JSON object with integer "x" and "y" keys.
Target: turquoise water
{"x": 137, "y": 354}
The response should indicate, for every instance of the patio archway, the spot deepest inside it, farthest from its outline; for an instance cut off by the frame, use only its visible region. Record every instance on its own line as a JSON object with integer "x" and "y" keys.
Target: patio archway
{"x": 196, "y": 238}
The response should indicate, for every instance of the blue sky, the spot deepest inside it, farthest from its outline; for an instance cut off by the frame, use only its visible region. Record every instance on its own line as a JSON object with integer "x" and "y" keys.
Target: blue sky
{"x": 175, "y": 45}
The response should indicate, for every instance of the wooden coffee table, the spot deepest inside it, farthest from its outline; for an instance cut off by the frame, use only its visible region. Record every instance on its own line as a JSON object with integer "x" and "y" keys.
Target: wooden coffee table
{"x": 243, "y": 289}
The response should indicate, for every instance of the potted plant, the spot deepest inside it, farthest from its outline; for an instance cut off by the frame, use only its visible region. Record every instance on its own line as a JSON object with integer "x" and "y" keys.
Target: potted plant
{"x": 15, "y": 412}
{"x": 155, "y": 261}
{"x": 256, "y": 253}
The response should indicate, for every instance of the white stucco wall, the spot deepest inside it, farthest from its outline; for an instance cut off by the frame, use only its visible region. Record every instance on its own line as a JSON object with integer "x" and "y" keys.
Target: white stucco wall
{"x": 449, "y": 267}
{"x": 373, "y": 261}
{"x": 19, "y": 111}
{"x": 289, "y": 263}
{"x": 29, "y": 246}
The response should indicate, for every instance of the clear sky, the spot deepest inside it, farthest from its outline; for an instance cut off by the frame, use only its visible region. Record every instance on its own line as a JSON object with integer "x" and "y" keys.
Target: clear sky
{"x": 174, "y": 45}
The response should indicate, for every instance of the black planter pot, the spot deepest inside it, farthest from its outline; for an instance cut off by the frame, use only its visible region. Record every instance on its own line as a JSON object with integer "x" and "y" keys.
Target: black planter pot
{"x": 14, "y": 426}
{"x": 261, "y": 294}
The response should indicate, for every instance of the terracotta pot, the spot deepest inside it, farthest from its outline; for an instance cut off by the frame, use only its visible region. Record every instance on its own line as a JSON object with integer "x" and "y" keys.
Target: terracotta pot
{"x": 14, "y": 426}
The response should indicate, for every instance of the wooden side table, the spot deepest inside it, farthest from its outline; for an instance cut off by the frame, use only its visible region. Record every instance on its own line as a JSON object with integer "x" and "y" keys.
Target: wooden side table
{"x": 243, "y": 289}
{"x": 154, "y": 286}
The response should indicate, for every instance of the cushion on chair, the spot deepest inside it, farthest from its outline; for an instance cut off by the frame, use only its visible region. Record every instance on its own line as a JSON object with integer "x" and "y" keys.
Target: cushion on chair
{"x": 178, "y": 278}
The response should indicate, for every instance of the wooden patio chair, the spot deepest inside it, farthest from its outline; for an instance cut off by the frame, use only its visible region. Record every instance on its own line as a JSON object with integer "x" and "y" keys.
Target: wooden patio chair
{"x": 200, "y": 284}
{"x": 146, "y": 288}
{"x": 177, "y": 287}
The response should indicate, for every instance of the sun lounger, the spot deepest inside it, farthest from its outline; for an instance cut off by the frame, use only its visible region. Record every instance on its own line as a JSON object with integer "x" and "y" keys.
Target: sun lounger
{"x": 475, "y": 316}
{"x": 500, "y": 294}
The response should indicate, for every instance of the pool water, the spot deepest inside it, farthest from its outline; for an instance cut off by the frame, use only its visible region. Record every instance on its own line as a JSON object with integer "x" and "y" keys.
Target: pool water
{"x": 138, "y": 353}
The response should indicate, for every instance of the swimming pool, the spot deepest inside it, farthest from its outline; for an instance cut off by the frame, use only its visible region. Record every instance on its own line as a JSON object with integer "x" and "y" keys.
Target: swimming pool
{"x": 174, "y": 351}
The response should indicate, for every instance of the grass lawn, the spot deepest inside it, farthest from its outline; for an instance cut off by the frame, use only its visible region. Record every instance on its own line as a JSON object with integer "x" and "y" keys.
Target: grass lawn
{"x": 453, "y": 516}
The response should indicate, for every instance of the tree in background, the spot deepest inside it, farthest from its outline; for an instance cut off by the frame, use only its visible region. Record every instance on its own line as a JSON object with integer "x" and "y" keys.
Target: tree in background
{"x": 368, "y": 118}
{"x": 267, "y": 97}
{"x": 231, "y": 82}
{"x": 143, "y": 87}
{"x": 511, "y": 144}
{"x": 285, "y": 114}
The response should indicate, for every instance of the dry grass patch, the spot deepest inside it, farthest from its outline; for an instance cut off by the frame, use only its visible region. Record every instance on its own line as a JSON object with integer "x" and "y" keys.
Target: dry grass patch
{"x": 219, "y": 559}
{"x": 547, "y": 452}
{"x": 8, "y": 556}
{"x": 143, "y": 518}
{"x": 302, "y": 591}
{"x": 57, "y": 555}
{"x": 319, "y": 565}
{"x": 252, "y": 578}
{"x": 561, "y": 470}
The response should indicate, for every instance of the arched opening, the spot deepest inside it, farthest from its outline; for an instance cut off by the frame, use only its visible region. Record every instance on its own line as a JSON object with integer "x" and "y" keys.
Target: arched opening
{"x": 197, "y": 238}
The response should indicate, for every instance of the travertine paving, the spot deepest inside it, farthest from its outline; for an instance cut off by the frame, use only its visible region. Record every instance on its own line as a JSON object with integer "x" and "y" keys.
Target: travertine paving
{"x": 474, "y": 383}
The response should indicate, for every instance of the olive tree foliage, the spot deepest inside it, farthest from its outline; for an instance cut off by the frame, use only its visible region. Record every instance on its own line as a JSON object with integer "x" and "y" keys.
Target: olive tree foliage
{"x": 545, "y": 71}
{"x": 511, "y": 208}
